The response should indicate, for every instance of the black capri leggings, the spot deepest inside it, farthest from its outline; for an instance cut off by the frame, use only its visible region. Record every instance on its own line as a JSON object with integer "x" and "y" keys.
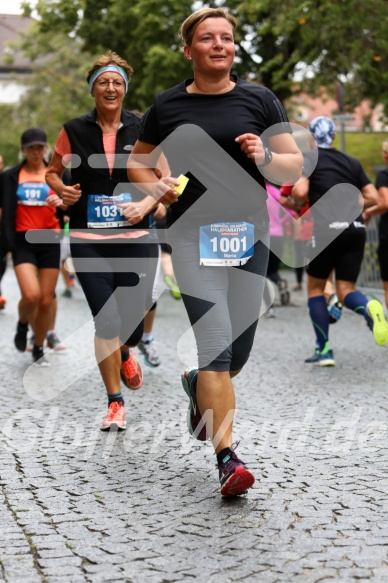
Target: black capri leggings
{"x": 222, "y": 303}
{"x": 115, "y": 278}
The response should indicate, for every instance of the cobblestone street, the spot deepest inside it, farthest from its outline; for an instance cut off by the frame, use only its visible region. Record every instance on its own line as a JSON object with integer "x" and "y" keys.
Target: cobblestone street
{"x": 143, "y": 506}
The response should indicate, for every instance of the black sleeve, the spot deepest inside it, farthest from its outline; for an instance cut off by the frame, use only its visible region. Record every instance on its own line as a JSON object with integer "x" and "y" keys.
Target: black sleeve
{"x": 1, "y": 190}
{"x": 265, "y": 101}
{"x": 381, "y": 180}
{"x": 149, "y": 127}
{"x": 276, "y": 115}
{"x": 66, "y": 178}
{"x": 362, "y": 178}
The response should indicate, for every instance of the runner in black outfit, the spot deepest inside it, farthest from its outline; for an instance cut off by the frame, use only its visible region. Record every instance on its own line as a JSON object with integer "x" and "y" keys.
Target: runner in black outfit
{"x": 99, "y": 232}
{"x": 339, "y": 212}
{"x": 221, "y": 207}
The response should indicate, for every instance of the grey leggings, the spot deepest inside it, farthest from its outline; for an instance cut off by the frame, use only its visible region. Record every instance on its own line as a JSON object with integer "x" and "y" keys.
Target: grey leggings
{"x": 222, "y": 303}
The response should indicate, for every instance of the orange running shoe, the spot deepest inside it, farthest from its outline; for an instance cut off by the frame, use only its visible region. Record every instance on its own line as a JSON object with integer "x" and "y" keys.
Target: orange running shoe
{"x": 131, "y": 373}
{"x": 115, "y": 418}
{"x": 3, "y": 301}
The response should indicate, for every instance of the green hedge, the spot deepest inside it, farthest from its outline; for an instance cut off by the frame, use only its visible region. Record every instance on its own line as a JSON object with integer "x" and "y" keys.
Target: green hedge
{"x": 366, "y": 147}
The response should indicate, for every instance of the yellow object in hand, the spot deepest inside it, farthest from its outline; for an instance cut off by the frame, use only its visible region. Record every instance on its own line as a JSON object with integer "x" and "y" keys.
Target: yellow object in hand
{"x": 183, "y": 180}
{"x": 179, "y": 188}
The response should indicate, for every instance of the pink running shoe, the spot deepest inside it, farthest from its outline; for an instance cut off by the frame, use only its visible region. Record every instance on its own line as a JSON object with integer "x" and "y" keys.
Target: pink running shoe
{"x": 115, "y": 418}
{"x": 131, "y": 373}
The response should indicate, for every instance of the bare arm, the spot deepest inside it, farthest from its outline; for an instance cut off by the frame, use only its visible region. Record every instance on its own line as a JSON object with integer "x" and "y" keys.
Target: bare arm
{"x": 56, "y": 201}
{"x": 300, "y": 192}
{"x": 287, "y": 160}
{"x": 163, "y": 167}
{"x": 140, "y": 168}
{"x": 69, "y": 194}
{"x": 370, "y": 196}
{"x": 149, "y": 170}
{"x": 288, "y": 203}
{"x": 382, "y": 205}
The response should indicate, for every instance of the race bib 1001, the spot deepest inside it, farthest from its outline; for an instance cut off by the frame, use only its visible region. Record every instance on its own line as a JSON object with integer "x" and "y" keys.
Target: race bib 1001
{"x": 226, "y": 244}
{"x": 32, "y": 193}
{"x": 103, "y": 211}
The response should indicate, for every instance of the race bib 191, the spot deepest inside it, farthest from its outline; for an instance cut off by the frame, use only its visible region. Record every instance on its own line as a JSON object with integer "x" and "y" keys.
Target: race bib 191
{"x": 32, "y": 193}
{"x": 103, "y": 211}
{"x": 226, "y": 244}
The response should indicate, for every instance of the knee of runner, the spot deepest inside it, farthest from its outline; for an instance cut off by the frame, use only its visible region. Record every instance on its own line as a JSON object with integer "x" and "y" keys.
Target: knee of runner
{"x": 239, "y": 359}
{"x": 133, "y": 340}
{"x": 107, "y": 328}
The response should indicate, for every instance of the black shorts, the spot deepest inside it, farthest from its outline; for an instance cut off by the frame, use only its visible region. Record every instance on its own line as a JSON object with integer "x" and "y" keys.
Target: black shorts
{"x": 344, "y": 255}
{"x": 117, "y": 280}
{"x": 382, "y": 253}
{"x": 43, "y": 255}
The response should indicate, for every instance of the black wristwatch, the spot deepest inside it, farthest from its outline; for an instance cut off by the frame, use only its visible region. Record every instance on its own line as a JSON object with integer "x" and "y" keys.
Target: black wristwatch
{"x": 267, "y": 158}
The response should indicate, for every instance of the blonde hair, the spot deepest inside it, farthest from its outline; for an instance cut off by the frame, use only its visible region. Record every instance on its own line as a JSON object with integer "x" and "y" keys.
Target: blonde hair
{"x": 188, "y": 26}
{"x": 385, "y": 146}
{"x": 105, "y": 59}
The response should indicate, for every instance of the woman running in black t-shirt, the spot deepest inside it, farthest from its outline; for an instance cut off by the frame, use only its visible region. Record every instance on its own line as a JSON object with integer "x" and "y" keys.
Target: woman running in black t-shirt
{"x": 221, "y": 132}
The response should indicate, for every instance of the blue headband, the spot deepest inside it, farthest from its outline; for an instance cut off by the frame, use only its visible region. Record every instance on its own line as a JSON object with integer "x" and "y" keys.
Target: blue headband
{"x": 106, "y": 69}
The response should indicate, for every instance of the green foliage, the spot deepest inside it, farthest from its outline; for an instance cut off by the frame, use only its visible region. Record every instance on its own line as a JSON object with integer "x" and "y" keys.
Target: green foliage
{"x": 319, "y": 40}
{"x": 143, "y": 32}
{"x": 56, "y": 91}
{"x": 298, "y": 45}
{"x": 351, "y": 45}
{"x": 9, "y": 134}
{"x": 366, "y": 147}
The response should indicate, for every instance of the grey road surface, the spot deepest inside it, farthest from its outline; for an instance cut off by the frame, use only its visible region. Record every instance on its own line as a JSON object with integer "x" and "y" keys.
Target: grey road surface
{"x": 143, "y": 506}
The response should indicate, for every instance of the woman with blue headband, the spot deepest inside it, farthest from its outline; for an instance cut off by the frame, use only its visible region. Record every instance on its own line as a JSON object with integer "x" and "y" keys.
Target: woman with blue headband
{"x": 97, "y": 146}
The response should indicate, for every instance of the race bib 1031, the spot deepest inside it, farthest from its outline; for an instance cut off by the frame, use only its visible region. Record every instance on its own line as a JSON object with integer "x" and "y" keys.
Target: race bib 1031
{"x": 103, "y": 211}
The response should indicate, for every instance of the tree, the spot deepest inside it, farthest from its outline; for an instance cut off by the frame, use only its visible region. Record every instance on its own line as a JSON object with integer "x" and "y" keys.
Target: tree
{"x": 143, "y": 32}
{"x": 287, "y": 46}
{"x": 317, "y": 43}
{"x": 56, "y": 90}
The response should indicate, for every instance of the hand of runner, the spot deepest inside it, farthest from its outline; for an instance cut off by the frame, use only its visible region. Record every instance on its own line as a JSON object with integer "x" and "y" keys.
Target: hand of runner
{"x": 160, "y": 211}
{"x": 71, "y": 194}
{"x": 252, "y": 146}
{"x": 134, "y": 212}
{"x": 163, "y": 190}
{"x": 54, "y": 200}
